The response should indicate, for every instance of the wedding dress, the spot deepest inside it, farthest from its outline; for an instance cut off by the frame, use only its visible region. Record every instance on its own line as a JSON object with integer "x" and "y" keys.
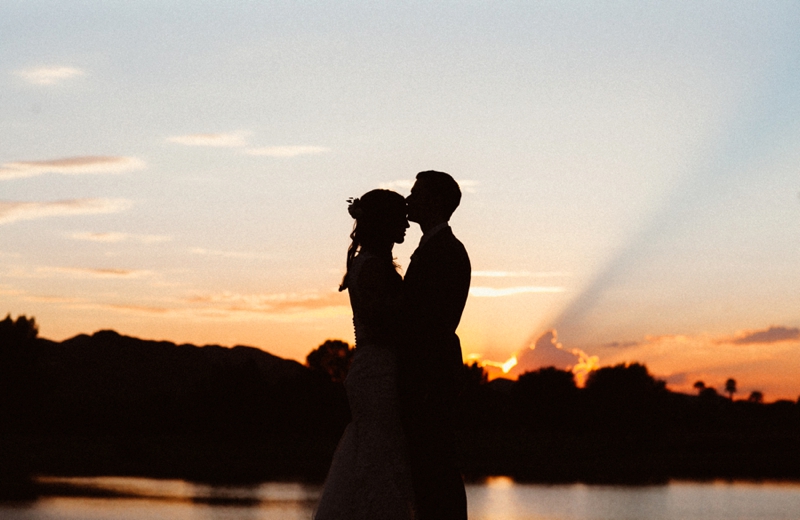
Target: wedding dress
{"x": 370, "y": 478}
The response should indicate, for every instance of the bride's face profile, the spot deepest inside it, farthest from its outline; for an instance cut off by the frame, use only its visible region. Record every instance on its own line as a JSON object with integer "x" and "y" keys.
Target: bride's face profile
{"x": 381, "y": 219}
{"x": 398, "y": 228}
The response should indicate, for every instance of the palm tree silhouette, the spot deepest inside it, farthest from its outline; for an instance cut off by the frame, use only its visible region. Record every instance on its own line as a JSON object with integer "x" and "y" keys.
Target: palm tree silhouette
{"x": 730, "y": 387}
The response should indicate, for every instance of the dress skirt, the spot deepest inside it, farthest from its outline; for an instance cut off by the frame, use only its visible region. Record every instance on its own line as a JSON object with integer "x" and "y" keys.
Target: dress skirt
{"x": 370, "y": 477}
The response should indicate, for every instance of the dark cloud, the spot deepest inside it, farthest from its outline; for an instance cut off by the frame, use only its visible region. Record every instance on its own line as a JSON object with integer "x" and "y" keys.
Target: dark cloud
{"x": 770, "y": 335}
{"x": 621, "y": 344}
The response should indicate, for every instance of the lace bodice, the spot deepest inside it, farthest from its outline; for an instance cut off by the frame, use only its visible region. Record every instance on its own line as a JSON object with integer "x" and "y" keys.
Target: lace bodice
{"x": 374, "y": 288}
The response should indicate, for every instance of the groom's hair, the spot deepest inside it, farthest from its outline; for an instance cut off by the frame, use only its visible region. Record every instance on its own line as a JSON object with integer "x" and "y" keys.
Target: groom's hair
{"x": 444, "y": 188}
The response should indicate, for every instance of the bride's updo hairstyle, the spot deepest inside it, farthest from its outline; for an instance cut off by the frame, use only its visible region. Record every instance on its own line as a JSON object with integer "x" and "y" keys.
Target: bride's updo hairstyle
{"x": 374, "y": 213}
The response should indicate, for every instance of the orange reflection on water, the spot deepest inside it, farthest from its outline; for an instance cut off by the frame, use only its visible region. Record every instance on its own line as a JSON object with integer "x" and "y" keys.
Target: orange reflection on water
{"x": 179, "y": 490}
{"x": 499, "y": 482}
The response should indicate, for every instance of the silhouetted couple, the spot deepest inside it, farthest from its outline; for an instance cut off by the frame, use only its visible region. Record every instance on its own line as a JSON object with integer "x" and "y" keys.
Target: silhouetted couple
{"x": 395, "y": 459}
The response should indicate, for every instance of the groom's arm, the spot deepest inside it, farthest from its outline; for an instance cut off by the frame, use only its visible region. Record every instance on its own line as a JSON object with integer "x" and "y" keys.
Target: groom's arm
{"x": 446, "y": 286}
{"x": 448, "y": 289}
{"x": 436, "y": 298}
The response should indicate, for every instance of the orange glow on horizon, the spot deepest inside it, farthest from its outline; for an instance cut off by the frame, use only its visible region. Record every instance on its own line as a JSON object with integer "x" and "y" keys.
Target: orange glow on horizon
{"x": 545, "y": 346}
{"x": 586, "y": 364}
{"x": 505, "y": 366}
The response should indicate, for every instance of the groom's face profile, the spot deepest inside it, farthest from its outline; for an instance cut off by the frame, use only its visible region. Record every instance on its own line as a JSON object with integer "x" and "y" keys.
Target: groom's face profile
{"x": 419, "y": 202}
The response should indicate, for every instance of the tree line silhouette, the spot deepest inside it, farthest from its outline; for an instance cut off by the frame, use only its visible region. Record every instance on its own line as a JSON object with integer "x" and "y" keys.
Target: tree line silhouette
{"x": 108, "y": 404}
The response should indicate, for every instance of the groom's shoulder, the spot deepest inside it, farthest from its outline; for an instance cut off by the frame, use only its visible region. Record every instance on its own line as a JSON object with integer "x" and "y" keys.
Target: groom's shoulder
{"x": 451, "y": 239}
{"x": 448, "y": 244}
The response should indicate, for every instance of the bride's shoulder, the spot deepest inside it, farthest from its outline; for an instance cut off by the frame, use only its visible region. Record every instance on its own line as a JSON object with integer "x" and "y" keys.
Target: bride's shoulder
{"x": 374, "y": 272}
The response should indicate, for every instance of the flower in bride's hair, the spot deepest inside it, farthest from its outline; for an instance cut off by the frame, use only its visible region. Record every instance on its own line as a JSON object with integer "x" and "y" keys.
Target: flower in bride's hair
{"x": 354, "y": 207}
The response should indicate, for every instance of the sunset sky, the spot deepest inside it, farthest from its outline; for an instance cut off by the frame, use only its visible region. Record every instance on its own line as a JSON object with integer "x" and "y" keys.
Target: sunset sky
{"x": 631, "y": 173}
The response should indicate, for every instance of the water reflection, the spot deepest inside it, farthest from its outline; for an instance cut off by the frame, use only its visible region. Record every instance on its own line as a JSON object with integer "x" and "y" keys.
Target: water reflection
{"x": 497, "y": 498}
{"x": 506, "y": 500}
{"x": 180, "y": 490}
{"x": 127, "y": 498}
{"x": 74, "y": 508}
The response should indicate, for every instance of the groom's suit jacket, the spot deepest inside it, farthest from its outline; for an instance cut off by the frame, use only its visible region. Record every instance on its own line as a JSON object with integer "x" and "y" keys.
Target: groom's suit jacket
{"x": 435, "y": 291}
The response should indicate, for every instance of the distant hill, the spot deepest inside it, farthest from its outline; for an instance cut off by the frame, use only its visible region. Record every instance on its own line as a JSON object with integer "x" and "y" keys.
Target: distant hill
{"x": 113, "y": 404}
{"x": 121, "y": 369}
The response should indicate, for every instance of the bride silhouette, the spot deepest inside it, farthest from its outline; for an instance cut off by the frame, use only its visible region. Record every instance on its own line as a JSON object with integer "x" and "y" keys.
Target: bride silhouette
{"x": 370, "y": 476}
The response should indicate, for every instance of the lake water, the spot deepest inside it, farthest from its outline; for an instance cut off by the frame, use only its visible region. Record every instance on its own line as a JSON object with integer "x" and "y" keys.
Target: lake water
{"x": 496, "y": 499}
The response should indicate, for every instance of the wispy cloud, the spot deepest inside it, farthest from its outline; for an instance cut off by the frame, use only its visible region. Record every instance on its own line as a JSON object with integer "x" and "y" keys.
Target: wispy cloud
{"x": 28, "y": 272}
{"x": 99, "y": 237}
{"x": 12, "y": 211}
{"x": 223, "y": 140}
{"x": 48, "y": 75}
{"x": 221, "y": 306}
{"x": 287, "y": 151}
{"x": 226, "y": 254}
{"x": 492, "y": 292}
{"x": 137, "y": 309}
{"x": 70, "y": 166}
{"x": 468, "y": 186}
{"x": 520, "y": 274}
{"x": 271, "y": 302}
{"x": 88, "y": 272}
{"x": 53, "y": 299}
{"x": 240, "y": 140}
{"x": 119, "y": 237}
{"x": 770, "y": 335}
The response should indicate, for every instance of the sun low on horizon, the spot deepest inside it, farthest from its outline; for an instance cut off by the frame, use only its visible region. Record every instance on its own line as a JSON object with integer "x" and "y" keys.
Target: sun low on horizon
{"x": 630, "y": 174}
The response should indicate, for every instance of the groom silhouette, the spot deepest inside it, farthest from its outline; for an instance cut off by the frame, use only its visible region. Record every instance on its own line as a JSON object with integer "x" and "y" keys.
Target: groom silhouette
{"x": 435, "y": 290}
